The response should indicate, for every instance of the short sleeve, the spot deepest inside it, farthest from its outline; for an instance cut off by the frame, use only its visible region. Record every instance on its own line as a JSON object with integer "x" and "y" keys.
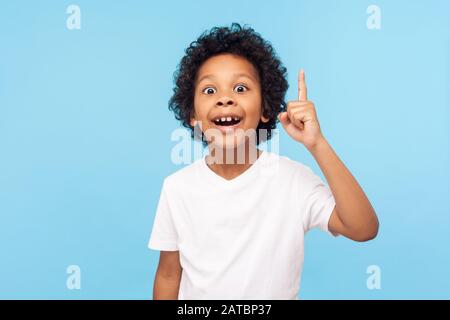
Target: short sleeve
{"x": 164, "y": 235}
{"x": 318, "y": 203}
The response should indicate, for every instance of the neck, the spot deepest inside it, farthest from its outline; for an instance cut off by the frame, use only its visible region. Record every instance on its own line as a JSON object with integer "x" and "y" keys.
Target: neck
{"x": 230, "y": 163}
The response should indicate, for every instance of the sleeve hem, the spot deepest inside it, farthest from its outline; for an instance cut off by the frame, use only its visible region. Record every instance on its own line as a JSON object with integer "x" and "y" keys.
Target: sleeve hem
{"x": 329, "y": 213}
{"x": 162, "y": 246}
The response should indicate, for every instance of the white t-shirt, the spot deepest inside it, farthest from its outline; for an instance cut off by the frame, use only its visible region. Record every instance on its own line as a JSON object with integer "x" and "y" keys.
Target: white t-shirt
{"x": 241, "y": 238}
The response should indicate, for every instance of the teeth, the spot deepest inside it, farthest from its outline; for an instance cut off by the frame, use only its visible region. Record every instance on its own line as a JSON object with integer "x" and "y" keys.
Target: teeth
{"x": 223, "y": 119}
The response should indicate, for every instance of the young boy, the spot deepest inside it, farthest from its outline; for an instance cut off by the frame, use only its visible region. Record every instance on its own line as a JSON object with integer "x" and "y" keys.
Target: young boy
{"x": 232, "y": 227}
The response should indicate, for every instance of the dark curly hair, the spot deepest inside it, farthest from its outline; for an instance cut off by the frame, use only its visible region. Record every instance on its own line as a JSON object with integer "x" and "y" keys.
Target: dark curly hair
{"x": 241, "y": 41}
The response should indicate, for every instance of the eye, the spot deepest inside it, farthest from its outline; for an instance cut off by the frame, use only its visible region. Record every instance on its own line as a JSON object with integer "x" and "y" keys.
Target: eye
{"x": 208, "y": 90}
{"x": 240, "y": 86}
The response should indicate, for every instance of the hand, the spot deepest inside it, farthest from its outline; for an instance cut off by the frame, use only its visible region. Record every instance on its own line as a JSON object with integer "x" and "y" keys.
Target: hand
{"x": 300, "y": 120}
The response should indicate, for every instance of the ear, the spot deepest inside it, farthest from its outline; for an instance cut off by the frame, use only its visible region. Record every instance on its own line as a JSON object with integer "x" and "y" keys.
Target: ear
{"x": 193, "y": 121}
{"x": 264, "y": 119}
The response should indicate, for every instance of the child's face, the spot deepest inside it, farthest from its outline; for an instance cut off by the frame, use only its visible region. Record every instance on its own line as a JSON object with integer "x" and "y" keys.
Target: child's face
{"x": 227, "y": 86}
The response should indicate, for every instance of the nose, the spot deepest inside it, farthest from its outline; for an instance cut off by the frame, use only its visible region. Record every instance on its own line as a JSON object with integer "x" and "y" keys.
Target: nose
{"x": 225, "y": 101}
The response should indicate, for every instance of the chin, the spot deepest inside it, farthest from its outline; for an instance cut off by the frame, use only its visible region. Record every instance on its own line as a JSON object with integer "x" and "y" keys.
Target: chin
{"x": 229, "y": 141}
{"x": 231, "y": 144}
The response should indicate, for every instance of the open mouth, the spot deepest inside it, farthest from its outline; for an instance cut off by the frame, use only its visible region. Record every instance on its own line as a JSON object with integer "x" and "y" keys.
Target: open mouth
{"x": 227, "y": 121}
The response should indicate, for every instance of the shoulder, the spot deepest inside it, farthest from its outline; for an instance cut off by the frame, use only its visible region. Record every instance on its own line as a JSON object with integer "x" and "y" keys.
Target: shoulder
{"x": 295, "y": 174}
{"x": 184, "y": 176}
{"x": 288, "y": 165}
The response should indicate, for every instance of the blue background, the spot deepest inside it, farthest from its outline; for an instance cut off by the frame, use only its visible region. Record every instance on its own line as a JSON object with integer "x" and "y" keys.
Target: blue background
{"x": 85, "y": 137}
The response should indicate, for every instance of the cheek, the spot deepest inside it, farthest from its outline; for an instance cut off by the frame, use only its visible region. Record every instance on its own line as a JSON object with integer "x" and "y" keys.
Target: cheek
{"x": 199, "y": 108}
{"x": 253, "y": 111}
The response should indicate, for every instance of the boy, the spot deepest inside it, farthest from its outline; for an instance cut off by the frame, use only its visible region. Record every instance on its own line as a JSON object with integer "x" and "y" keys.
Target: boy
{"x": 232, "y": 227}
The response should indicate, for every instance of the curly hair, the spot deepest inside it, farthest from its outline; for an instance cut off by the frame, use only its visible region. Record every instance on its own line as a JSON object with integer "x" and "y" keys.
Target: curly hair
{"x": 246, "y": 43}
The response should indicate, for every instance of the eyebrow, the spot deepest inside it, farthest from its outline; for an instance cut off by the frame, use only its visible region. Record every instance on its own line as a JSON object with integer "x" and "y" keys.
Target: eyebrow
{"x": 236, "y": 75}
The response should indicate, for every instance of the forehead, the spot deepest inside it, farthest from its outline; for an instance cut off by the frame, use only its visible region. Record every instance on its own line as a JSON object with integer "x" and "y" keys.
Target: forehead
{"x": 226, "y": 64}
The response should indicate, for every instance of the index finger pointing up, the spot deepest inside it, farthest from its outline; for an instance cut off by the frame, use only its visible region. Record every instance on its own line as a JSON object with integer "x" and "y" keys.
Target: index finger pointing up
{"x": 302, "y": 94}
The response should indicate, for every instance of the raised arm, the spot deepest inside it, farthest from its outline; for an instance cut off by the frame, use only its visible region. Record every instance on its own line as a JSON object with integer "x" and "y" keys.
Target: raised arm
{"x": 353, "y": 216}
